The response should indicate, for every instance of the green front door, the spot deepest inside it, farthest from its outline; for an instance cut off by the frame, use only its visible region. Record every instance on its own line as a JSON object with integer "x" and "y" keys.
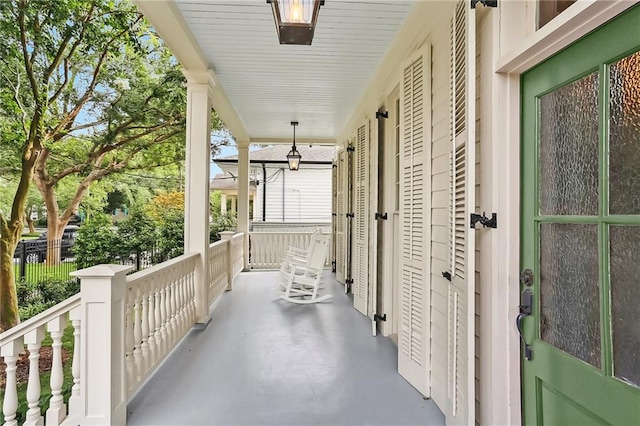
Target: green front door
{"x": 581, "y": 230}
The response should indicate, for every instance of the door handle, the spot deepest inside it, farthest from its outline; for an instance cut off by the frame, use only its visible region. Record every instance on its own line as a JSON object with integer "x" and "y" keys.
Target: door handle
{"x": 526, "y": 308}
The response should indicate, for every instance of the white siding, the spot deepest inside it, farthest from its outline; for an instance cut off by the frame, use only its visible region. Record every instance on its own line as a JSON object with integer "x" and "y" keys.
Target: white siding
{"x": 307, "y": 195}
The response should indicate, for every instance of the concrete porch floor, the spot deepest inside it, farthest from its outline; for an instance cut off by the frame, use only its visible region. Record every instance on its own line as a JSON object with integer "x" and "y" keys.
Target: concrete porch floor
{"x": 267, "y": 361}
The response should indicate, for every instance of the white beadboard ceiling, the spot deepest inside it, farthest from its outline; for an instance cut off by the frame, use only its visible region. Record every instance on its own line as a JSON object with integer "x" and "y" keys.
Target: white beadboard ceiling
{"x": 270, "y": 85}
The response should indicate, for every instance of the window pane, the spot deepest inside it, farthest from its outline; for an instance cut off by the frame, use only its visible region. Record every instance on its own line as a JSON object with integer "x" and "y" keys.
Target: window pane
{"x": 625, "y": 302}
{"x": 624, "y": 136}
{"x": 569, "y": 149}
{"x": 549, "y": 9}
{"x": 569, "y": 290}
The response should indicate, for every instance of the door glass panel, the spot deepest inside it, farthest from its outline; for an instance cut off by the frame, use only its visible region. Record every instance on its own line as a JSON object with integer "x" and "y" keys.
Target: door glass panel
{"x": 624, "y": 136}
{"x": 625, "y": 302}
{"x": 569, "y": 289}
{"x": 569, "y": 149}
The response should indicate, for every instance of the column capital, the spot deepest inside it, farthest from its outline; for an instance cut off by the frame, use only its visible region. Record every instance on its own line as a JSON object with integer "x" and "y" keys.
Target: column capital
{"x": 196, "y": 78}
{"x": 243, "y": 144}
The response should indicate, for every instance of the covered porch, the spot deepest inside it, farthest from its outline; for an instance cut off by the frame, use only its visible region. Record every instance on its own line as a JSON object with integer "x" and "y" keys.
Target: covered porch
{"x": 265, "y": 361}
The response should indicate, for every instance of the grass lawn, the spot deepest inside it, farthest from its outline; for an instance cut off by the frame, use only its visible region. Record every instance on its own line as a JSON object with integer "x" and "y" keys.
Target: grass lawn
{"x": 45, "y": 393}
{"x": 35, "y": 272}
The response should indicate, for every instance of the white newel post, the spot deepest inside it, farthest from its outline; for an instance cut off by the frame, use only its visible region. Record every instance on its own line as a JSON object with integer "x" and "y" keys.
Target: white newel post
{"x": 243, "y": 196}
{"x": 196, "y": 226}
{"x": 227, "y": 236}
{"x": 103, "y": 392}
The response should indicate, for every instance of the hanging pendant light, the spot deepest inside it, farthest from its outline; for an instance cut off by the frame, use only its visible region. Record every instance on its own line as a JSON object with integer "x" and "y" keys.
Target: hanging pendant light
{"x": 293, "y": 157}
{"x": 295, "y": 20}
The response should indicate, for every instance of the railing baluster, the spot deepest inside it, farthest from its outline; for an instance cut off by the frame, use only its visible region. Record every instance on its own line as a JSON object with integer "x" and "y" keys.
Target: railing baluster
{"x": 152, "y": 326}
{"x": 158, "y": 322}
{"x": 163, "y": 321}
{"x": 171, "y": 321}
{"x": 129, "y": 342}
{"x": 33, "y": 340}
{"x": 183, "y": 301}
{"x": 144, "y": 328}
{"x": 74, "y": 400}
{"x": 57, "y": 408}
{"x": 137, "y": 335}
{"x": 11, "y": 352}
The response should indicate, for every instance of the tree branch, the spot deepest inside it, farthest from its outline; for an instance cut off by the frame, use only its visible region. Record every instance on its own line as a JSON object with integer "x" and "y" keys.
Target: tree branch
{"x": 67, "y": 122}
{"x": 28, "y": 65}
{"x": 65, "y": 42}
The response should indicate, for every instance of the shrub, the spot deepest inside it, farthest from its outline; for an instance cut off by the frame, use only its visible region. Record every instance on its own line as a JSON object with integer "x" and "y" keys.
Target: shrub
{"x": 35, "y": 297}
{"x": 136, "y": 234}
{"x": 219, "y": 223}
{"x": 170, "y": 236}
{"x": 96, "y": 242}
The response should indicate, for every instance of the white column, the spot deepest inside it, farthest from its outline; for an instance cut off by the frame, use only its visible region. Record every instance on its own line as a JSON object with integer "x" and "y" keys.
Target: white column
{"x": 243, "y": 196}
{"x": 233, "y": 205}
{"x": 223, "y": 203}
{"x": 196, "y": 218}
{"x": 103, "y": 386}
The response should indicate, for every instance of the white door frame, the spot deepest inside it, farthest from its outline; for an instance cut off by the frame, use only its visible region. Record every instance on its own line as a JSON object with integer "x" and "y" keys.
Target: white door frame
{"x": 523, "y": 51}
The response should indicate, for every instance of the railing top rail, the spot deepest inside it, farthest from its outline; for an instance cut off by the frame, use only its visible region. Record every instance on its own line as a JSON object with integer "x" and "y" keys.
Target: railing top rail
{"x": 217, "y": 243}
{"x": 285, "y": 232}
{"x": 238, "y": 235}
{"x": 159, "y": 268}
{"x": 40, "y": 319}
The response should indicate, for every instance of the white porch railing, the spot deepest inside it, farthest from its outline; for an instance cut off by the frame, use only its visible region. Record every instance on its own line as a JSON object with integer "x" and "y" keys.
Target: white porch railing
{"x": 160, "y": 309}
{"x": 123, "y": 327}
{"x": 31, "y": 334}
{"x": 267, "y": 249}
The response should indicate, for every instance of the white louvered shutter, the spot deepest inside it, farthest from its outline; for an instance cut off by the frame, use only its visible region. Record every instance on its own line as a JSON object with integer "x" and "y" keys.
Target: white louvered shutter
{"x": 361, "y": 221}
{"x": 461, "y": 383}
{"x": 373, "y": 227}
{"x": 341, "y": 217}
{"x": 413, "y": 337}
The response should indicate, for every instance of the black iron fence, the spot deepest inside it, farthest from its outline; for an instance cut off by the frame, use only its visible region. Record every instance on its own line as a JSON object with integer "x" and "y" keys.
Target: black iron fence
{"x": 38, "y": 260}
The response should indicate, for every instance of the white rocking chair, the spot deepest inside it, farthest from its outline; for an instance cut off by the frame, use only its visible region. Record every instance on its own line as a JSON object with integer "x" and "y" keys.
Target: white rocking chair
{"x": 302, "y": 282}
{"x": 299, "y": 257}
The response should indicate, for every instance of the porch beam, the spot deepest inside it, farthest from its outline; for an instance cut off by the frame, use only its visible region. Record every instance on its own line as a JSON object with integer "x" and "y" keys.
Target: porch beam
{"x": 243, "y": 195}
{"x": 196, "y": 218}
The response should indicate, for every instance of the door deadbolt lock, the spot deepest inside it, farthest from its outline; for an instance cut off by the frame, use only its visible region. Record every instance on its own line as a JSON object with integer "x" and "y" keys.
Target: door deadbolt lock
{"x": 526, "y": 277}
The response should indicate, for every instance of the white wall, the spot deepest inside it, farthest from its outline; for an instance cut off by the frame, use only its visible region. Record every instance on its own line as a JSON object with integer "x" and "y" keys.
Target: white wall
{"x": 306, "y": 192}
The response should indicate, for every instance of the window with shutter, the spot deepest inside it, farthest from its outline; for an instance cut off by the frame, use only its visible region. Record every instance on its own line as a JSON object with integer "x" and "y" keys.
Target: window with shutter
{"x": 361, "y": 229}
{"x": 341, "y": 217}
{"x": 461, "y": 400}
{"x": 413, "y": 339}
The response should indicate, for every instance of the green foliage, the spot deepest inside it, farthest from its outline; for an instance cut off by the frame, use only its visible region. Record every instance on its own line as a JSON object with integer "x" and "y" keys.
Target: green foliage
{"x": 137, "y": 233}
{"x": 171, "y": 235}
{"x": 220, "y": 223}
{"x": 35, "y": 297}
{"x": 96, "y": 242}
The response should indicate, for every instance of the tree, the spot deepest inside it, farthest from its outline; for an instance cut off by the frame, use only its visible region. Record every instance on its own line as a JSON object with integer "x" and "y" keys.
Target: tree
{"x": 87, "y": 90}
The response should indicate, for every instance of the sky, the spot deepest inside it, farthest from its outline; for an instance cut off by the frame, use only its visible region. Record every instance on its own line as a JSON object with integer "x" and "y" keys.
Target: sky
{"x": 224, "y": 151}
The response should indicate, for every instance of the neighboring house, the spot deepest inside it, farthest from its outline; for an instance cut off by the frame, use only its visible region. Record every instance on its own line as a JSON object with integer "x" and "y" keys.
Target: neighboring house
{"x": 284, "y": 196}
{"x": 228, "y": 186}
